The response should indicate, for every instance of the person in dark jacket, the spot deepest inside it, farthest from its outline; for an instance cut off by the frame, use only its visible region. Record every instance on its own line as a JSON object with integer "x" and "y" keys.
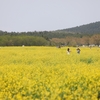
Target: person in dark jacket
{"x": 78, "y": 50}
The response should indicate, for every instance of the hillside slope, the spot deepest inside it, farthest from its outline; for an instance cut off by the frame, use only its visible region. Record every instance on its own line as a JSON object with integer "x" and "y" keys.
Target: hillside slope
{"x": 91, "y": 28}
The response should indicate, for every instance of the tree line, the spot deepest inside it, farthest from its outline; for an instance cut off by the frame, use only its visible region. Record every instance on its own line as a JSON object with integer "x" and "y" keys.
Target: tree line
{"x": 8, "y": 40}
{"x": 78, "y": 41}
{"x": 47, "y": 38}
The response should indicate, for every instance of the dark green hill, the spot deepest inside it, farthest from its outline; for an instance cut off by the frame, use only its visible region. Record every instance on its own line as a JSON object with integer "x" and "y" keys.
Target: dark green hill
{"x": 91, "y": 28}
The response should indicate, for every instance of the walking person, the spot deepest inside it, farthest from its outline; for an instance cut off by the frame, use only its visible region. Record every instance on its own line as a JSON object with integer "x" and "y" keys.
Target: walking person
{"x": 68, "y": 51}
{"x": 78, "y": 50}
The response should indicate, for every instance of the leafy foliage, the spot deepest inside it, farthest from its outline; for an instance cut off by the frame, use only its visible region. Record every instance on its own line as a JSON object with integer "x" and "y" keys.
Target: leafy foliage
{"x": 11, "y": 40}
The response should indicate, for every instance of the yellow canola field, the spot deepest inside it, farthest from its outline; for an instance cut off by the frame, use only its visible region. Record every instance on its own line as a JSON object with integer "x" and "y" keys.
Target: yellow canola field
{"x": 49, "y": 73}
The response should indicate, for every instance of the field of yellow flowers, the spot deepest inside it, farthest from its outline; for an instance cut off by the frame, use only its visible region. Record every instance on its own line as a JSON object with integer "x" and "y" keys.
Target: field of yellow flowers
{"x": 49, "y": 73}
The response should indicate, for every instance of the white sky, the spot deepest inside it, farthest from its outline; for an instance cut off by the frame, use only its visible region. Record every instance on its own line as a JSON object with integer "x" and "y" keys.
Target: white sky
{"x": 46, "y": 15}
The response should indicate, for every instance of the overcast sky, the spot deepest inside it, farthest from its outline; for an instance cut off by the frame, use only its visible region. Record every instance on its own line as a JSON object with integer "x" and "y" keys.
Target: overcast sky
{"x": 46, "y": 15}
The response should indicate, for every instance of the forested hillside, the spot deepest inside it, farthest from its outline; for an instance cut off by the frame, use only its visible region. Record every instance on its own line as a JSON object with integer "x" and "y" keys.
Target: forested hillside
{"x": 91, "y": 28}
{"x": 83, "y": 35}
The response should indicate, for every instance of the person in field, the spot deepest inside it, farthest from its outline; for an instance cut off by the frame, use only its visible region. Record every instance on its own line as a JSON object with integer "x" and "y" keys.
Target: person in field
{"x": 78, "y": 50}
{"x": 68, "y": 51}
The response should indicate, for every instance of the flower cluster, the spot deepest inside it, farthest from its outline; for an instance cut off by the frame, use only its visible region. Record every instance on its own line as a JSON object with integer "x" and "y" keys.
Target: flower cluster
{"x": 48, "y": 73}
